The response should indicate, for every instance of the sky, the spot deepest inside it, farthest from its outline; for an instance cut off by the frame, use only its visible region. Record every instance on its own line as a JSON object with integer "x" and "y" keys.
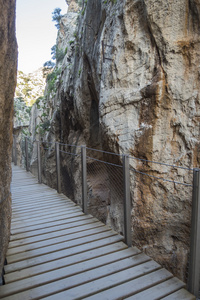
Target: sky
{"x": 36, "y": 32}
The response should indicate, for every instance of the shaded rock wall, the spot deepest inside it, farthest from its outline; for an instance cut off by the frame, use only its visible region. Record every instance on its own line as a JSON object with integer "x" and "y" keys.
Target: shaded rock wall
{"x": 142, "y": 99}
{"x": 8, "y": 69}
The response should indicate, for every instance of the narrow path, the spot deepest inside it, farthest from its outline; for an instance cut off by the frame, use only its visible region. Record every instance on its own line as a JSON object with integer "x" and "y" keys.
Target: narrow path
{"x": 57, "y": 252}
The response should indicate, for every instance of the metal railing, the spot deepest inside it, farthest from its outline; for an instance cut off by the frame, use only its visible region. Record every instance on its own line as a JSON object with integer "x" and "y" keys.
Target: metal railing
{"x": 104, "y": 177}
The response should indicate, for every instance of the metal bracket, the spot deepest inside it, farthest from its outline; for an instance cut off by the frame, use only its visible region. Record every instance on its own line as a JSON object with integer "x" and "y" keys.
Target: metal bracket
{"x": 103, "y": 51}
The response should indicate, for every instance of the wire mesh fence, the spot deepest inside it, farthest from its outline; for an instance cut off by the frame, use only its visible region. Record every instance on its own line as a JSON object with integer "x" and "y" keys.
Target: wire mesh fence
{"x": 29, "y": 152}
{"x": 105, "y": 192}
{"x": 22, "y": 154}
{"x": 18, "y": 150}
{"x": 70, "y": 166}
{"x": 160, "y": 195}
{"x": 161, "y": 216}
{"x": 33, "y": 157}
{"x": 48, "y": 164}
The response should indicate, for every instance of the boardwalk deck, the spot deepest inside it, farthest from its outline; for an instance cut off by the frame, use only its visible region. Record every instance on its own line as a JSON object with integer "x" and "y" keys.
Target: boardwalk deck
{"x": 57, "y": 252}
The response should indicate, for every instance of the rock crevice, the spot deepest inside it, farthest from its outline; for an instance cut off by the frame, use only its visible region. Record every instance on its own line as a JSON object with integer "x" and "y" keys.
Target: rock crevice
{"x": 140, "y": 95}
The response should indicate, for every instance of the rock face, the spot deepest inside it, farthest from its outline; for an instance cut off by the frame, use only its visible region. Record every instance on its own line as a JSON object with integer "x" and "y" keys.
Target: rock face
{"x": 30, "y": 86}
{"x": 73, "y": 5}
{"x": 8, "y": 70}
{"x": 137, "y": 94}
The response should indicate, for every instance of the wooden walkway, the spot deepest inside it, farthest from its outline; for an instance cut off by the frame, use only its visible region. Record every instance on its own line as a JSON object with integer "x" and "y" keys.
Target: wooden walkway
{"x": 57, "y": 252}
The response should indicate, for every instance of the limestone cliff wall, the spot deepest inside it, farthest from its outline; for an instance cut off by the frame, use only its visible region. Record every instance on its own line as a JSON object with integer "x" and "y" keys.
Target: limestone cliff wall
{"x": 140, "y": 95}
{"x": 8, "y": 69}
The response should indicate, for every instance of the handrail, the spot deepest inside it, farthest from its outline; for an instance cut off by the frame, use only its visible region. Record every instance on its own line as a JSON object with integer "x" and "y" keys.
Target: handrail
{"x": 120, "y": 155}
{"x": 125, "y": 164}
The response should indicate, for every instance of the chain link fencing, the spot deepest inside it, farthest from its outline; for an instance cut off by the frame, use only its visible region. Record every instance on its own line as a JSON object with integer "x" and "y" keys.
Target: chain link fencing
{"x": 161, "y": 217}
{"x": 70, "y": 168}
{"x": 160, "y": 195}
{"x": 105, "y": 188}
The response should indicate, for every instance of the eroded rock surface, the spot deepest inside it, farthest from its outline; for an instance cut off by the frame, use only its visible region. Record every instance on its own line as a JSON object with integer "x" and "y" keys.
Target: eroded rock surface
{"x": 139, "y": 95}
{"x": 73, "y": 5}
{"x": 8, "y": 69}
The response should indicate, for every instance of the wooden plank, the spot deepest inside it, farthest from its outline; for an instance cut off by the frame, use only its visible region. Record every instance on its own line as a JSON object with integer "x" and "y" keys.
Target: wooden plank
{"x": 27, "y": 198}
{"x": 60, "y": 246}
{"x": 43, "y": 199}
{"x": 70, "y": 224}
{"x": 118, "y": 291}
{"x": 73, "y": 257}
{"x": 64, "y": 222}
{"x": 75, "y": 288}
{"x": 180, "y": 295}
{"x": 85, "y": 224}
{"x": 82, "y": 221}
{"x": 160, "y": 290}
{"x": 17, "y": 170}
{"x": 58, "y": 239}
{"x": 38, "y": 200}
{"x": 24, "y": 187}
{"x": 37, "y": 212}
{"x": 95, "y": 268}
{"x": 18, "y": 175}
{"x": 32, "y": 188}
{"x": 38, "y": 194}
{"x": 37, "y": 208}
{"x": 79, "y": 285}
{"x": 66, "y": 207}
{"x": 66, "y": 261}
{"x": 47, "y": 224}
{"x": 26, "y": 181}
{"x": 23, "y": 195}
{"x": 61, "y": 216}
{"x": 59, "y": 254}
{"x": 70, "y": 212}
{"x": 19, "y": 180}
{"x": 43, "y": 215}
{"x": 18, "y": 184}
{"x": 16, "y": 180}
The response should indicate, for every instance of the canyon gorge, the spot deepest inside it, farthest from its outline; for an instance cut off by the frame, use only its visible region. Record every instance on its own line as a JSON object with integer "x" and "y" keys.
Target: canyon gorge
{"x": 127, "y": 82}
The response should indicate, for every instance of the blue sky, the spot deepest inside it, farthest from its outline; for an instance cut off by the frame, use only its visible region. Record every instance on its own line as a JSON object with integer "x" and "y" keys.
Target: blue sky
{"x": 36, "y": 33}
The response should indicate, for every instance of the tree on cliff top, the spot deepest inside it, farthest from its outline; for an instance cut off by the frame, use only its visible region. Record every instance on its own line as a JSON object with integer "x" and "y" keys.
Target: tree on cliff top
{"x": 56, "y": 17}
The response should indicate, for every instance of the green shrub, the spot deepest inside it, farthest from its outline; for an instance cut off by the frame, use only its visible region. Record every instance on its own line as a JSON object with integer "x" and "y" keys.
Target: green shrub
{"x": 60, "y": 54}
{"x": 56, "y": 17}
{"x": 51, "y": 79}
{"x": 57, "y": 54}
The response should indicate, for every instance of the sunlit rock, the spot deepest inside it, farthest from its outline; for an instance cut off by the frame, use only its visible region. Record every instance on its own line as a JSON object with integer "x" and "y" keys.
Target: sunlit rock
{"x": 136, "y": 93}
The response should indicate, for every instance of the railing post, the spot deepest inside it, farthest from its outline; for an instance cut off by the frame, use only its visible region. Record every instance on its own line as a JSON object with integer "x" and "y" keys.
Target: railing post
{"x": 13, "y": 157}
{"x": 15, "y": 150}
{"x": 26, "y": 151}
{"x": 84, "y": 179}
{"x": 194, "y": 263}
{"x": 127, "y": 201}
{"x": 103, "y": 49}
{"x": 57, "y": 151}
{"x": 39, "y": 163}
